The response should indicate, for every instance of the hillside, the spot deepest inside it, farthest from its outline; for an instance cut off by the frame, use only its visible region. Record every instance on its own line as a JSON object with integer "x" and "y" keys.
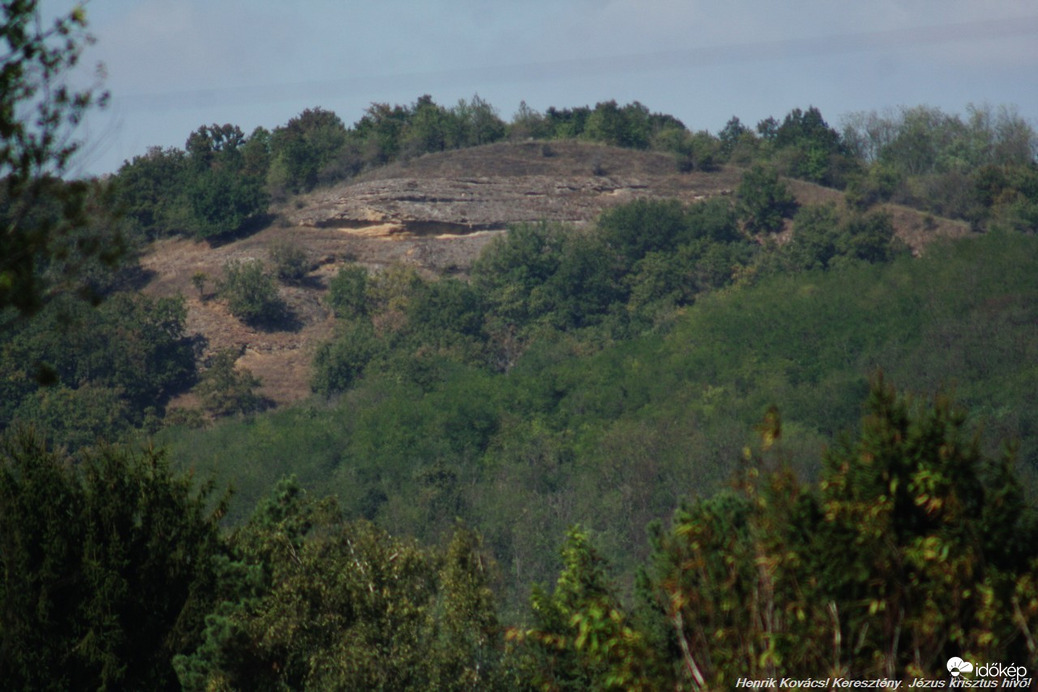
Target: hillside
{"x": 435, "y": 213}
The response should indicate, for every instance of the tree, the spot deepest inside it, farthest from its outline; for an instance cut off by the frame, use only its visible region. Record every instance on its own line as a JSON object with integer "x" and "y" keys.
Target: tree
{"x": 380, "y": 132}
{"x": 220, "y": 195}
{"x": 527, "y": 123}
{"x": 426, "y": 130}
{"x": 870, "y": 237}
{"x": 816, "y": 237}
{"x": 347, "y": 292}
{"x": 38, "y": 113}
{"x": 303, "y": 148}
{"x": 226, "y": 390}
{"x": 582, "y": 638}
{"x": 318, "y": 602}
{"x": 448, "y": 304}
{"x": 643, "y": 226}
{"x": 70, "y": 345}
{"x": 149, "y": 190}
{"x": 340, "y": 362}
{"x": 912, "y": 548}
{"x": 105, "y": 560}
{"x": 806, "y": 147}
{"x": 629, "y": 126}
{"x": 764, "y": 200}
{"x": 474, "y": 122}
{"x": 731, "y": 135}
{"x": 251, "y": 294}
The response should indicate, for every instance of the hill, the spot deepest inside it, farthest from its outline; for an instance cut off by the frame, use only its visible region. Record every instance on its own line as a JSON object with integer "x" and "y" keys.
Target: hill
{"x": 435, "y": 212}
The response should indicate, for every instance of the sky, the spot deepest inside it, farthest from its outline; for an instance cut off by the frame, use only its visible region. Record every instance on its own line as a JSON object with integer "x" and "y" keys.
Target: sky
{"x": 171, "y": 66}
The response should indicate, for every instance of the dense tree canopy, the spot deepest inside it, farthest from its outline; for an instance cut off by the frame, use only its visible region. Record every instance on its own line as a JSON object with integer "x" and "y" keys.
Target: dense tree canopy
{"x": 108, "y": 562}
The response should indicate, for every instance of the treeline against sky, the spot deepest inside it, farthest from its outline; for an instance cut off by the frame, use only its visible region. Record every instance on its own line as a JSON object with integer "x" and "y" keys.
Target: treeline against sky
{"x": 979, "y": 167}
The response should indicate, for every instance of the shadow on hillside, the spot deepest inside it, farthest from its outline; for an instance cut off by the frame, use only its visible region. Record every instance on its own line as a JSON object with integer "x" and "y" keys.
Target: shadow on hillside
{"x": 315, "y": 283}
{"x": 134, "y": 278}
{"x": 283, "y": 319}
{"x": 250, "y": 227}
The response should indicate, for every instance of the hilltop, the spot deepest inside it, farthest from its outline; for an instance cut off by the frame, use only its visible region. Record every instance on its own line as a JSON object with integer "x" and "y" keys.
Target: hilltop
{"x": 435, "y": 212}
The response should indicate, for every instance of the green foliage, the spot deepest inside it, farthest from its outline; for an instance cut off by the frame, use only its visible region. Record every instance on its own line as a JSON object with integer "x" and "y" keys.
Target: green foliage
{"x": 347, "y": 293}
{"x": 291, "y": 263}
{"x": 879, "y": 183}
{"x": 385, "y": 133}
{"x": 640, "y": 261}
{"x": 693, "y": 151}
{"x": 511, "y": 272}
{"x": 527, "y": 123}
{"x": 340, "y": 362}
{"x": 581, "y": 638}
{"x": 764, "y": 200}
{"x": 303, "y": 149}
{"x": 804, "y": 146}
{"x": 946, "y": 163}
{"x": 643, "y": 226}
{"x": 392, "y": 289}
{"x": 251, "y": 293}
{"x": 447, "y": 314}
{"x": 326, "y": 603}
{"x": 199, "y": 280}
{"x": 823, "y": 238}
{"x": 39, "y": 110}
{"x": 226, "y": 390}
{"x": 475, "y": 122}
{"x": 220, "y": 193}
{"x": 211, "y": 189}
{"x": 607, "y": 430}
{"x": 871, "y": 238}
{"x": 909, "y": 550}
{"x": 103, "y": 384}
{"x": 78, "y": 417}
{"x": 105, "y": 559}
{"x": 730, "y": 138}
{"x": 146, "y": 190}
{"x": 623, "y": 127}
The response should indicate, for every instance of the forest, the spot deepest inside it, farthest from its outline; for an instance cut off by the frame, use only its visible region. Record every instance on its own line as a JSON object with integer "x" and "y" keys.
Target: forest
{"x": 685, "y": 445}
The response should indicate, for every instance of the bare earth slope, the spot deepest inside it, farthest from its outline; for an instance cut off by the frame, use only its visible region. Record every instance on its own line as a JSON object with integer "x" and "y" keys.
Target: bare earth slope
{"x": 436, "y": 213}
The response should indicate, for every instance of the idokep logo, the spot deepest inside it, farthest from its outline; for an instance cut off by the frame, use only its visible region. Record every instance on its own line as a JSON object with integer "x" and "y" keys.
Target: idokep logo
{"x": 956, "y": 666}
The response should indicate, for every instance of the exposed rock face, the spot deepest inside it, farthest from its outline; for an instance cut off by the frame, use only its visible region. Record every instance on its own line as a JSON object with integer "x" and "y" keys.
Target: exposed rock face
{"x": 463, "y": 205}
{"x": 489, "y": 188}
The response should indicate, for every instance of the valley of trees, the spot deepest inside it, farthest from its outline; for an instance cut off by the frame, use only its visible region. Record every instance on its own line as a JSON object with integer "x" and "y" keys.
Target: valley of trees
{"x": 684, "y": 445}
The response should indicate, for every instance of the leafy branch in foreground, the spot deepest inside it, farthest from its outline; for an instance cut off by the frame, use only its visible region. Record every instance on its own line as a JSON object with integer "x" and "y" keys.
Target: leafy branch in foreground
{"x": 38, "y": 112}
{"x": 911, "y": 549}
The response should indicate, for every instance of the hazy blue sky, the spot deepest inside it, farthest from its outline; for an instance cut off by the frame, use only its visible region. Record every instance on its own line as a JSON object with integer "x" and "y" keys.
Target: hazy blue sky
{"x": 177, "y": 64}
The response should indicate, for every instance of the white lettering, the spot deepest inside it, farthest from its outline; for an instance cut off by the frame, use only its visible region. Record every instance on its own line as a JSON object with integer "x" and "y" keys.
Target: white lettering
{"x": 746, "y": 682}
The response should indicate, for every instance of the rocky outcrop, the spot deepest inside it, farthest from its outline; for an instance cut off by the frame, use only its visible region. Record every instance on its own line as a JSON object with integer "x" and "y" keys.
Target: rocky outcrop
{"x": 462, "y": 205}
{"x": 502, "y": 185}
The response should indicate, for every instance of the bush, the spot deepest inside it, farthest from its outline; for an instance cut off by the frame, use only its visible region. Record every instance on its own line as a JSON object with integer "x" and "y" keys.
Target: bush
{"x": 291, "y": 262}
{"x": 347, "y": 292}
{"x": 226, "y": 390}
{"x": 251, "y": 294}
{"x": 339, "y": 363}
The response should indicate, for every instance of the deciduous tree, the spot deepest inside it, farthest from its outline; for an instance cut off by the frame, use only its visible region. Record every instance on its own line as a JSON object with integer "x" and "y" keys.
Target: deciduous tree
{"x": 38, "y": 114}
